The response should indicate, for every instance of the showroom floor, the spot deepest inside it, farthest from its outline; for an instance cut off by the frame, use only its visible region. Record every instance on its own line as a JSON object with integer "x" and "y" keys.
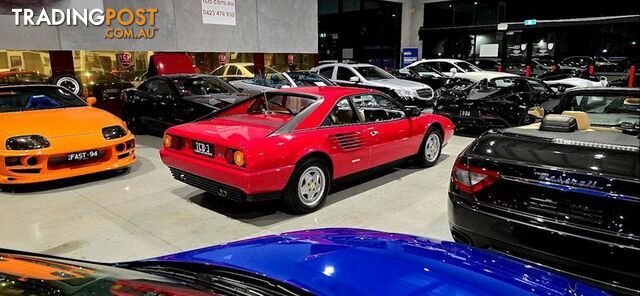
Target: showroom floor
{"x": 145, "y": 212}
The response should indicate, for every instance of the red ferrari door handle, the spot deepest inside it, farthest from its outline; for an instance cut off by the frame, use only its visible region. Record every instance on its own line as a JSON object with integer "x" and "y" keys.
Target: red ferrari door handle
{"x": 374, "y": 133}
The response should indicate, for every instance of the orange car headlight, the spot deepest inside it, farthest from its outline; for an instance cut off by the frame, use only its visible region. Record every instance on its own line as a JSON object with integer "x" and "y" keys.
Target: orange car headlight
{"x": 31, "y": 142}
{"x": 113, "y": 132}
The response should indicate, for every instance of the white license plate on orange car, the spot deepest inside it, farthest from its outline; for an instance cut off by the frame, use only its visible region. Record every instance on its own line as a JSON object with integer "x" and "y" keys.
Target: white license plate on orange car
{"x": 202, "y": 148}
{"x": 82, "y": 156}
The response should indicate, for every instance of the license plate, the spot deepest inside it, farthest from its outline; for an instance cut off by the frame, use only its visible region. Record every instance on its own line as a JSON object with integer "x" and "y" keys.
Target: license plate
{"x": 202, "y": 148}
{"x": 469, "y": 113}
{"x": 82, "y": 156}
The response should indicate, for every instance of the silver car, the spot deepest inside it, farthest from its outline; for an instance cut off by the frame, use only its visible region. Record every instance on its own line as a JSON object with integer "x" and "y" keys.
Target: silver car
{"x": 409, "y": 93}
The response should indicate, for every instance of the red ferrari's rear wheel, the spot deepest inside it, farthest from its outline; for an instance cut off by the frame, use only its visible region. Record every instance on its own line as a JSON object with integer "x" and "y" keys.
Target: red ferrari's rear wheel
{"x": 308, "y": 187}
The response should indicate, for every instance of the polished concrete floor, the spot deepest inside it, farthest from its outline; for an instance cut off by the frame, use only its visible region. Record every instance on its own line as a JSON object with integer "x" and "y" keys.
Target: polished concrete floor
{"x": 145, "y": 213}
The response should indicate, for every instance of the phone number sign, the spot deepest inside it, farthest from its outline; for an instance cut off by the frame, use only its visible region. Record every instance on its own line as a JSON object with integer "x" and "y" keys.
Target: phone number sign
{"x": 219, "y": 12}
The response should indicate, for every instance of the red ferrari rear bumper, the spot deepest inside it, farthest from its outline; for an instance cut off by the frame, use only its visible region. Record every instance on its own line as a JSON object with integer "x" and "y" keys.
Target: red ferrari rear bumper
{"x": 234, "y": 183}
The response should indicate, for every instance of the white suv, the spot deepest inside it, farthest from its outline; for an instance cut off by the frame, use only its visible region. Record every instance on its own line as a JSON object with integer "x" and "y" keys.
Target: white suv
{"x": 409, "y": 93}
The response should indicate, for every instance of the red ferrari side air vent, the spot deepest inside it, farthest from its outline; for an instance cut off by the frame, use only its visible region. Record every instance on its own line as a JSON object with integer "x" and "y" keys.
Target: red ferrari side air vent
{"x": 348, "y": 141}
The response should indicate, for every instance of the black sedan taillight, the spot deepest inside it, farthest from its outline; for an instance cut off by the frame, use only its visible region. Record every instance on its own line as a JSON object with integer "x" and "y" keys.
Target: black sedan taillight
{"x": 470, "y": 179}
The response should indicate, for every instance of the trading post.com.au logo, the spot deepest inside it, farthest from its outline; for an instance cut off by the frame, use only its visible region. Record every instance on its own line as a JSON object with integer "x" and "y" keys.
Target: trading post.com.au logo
{"x": 143, "y": 18}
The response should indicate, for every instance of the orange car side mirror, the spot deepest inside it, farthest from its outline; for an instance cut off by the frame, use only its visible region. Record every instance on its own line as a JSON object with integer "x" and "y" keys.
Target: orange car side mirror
{"x": 91, "y": 101}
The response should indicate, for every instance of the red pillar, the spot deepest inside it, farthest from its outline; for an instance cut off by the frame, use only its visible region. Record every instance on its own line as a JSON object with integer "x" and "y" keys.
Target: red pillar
{"x": 592, "y": 70}
{"x": 632, "y": 75}
{"x": 527, "y": 71}
{"x": 499, "y": 68}
{"x": 258, "y": 64}
{"x": 61, "y": 62}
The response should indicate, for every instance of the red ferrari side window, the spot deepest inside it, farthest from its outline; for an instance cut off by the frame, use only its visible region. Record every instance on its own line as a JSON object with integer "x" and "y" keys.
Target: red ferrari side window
{"x": 377, "y": 108}
{"x": 342, "y": 113}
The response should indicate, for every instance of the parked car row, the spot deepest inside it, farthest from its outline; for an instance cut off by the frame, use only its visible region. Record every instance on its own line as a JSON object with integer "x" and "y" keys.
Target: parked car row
{"x": 554, "y": 188}
{"x": 539, "y": 65}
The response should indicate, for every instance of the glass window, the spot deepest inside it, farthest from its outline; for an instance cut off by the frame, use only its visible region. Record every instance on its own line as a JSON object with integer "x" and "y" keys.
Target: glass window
{"x": 327, "y": 7}
{"x": 4, "y": 61}
{"x": 37, "y": 98}
{"x": 283, "y": 104}
{"x": 373, "y": 73}
{"x": 309, "y": 79}
{"x": 343, "y": 113}
{"x": 376, "y": 108}
{"x": 350, "y": 5}
{"x": 536, "y": 85}
{"x": 436, "y": 65}
{"x": 158, "y": 87}
{"x": 233, "y": 70}
{"x": 164, "y": 89}
{"x": 219, "y": 71}
{"x": 327, "y": 72}
{"x": 426, "y": 71}
{"x": 609, "y": 110}
{"x": 202, "y": 86}
{"x": 468, "y": 67}
{"x": 344, "y": 74}
{"x": 502, "y": 82}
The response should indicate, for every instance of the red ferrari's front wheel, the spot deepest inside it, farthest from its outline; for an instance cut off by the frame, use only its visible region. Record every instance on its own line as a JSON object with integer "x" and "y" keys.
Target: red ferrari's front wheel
{"x": 430, "y": 149}
{"x": 308, "y": 187}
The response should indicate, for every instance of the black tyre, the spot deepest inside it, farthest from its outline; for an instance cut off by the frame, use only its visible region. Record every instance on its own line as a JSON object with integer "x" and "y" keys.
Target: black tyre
{"x": 430, "y": 149}
{"x": 308, "y": 187}
{"x": 69, "y": 82}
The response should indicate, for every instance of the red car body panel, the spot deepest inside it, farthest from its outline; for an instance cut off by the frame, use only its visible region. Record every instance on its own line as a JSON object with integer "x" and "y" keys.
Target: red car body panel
{"x": 271, "y": 156}
{"x": 170, "y": 63}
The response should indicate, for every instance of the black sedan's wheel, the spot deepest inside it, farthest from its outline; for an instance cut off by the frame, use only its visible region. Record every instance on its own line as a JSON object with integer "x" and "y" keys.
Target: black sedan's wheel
{"x": 430, "y": 149}
{"x": 308, "y": 187}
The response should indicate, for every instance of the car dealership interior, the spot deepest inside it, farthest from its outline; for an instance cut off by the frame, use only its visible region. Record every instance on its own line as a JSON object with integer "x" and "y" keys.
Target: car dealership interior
{"x": 319, "y": 147}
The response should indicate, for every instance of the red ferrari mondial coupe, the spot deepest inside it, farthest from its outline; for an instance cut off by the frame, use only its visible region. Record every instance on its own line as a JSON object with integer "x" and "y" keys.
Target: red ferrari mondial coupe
{"x": 292, "y": 144}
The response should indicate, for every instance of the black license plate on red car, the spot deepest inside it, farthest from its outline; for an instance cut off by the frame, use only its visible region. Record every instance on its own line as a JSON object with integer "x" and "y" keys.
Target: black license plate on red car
{"x": 203, "y": 148}
{"x": 84, "y": 155}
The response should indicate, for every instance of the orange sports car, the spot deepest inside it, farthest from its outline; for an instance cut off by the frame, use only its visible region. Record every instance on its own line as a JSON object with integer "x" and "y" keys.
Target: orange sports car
{"x": 48, "y": 133}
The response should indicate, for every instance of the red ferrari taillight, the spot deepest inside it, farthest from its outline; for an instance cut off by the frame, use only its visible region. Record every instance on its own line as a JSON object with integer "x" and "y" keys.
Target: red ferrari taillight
{"x": 472, "y": 179}
{"x": 172, "y": 142}
{"x": 235, "y": 157}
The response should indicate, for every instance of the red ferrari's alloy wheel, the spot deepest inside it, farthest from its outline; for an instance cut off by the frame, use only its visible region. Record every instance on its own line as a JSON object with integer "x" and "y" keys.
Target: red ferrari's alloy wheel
{"x": 308, "y": 187}
{"x": 430, "y": 149}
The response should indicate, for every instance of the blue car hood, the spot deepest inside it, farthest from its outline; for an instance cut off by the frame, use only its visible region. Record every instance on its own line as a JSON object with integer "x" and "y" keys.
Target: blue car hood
{"x": 364, "y": 262}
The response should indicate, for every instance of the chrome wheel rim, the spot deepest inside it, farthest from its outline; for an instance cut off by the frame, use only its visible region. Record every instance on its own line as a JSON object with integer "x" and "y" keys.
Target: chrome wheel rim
{"x": 311, "y": 186}
{"x": 70, "y": 84}
{"x": 432, "y": 148}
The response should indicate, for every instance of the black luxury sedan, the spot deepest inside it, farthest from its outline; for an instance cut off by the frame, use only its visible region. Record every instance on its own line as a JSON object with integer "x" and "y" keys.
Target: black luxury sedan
{"x": 167, "y": 100}
{"x": 563, "y": 193}
{"x": 430, "y": 76}
{"x": 496, "y": 103}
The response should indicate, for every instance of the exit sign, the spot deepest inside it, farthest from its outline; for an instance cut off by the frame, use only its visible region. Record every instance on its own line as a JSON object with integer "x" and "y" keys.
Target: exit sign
{"x": 532, "y": 22}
